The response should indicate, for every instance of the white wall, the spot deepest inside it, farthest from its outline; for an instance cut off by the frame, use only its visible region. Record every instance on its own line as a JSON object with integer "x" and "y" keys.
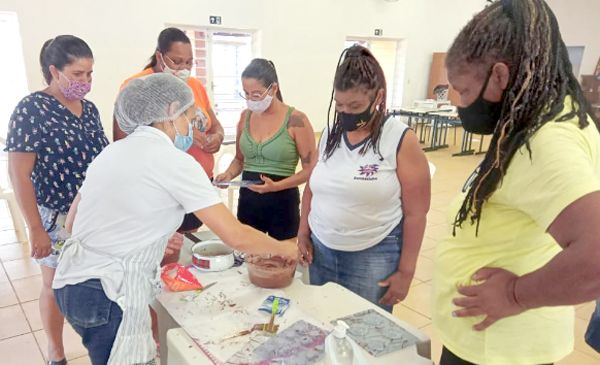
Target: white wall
{"x": 579, "y": 22}
{"x": 303, "y": 37}
{"x": 12, "y": 69}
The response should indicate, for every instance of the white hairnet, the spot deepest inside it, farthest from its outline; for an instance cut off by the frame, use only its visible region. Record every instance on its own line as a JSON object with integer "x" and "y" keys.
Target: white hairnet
{"x": 154, "y": 98}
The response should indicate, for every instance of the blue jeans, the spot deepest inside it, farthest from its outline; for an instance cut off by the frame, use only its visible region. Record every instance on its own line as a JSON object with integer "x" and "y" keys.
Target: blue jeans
{"x": 358, "y": 271}
{"x": 92, "y": 315}
{"x": 592, "y": 335}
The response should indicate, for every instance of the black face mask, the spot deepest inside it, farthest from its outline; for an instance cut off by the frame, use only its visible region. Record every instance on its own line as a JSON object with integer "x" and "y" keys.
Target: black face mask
{"x": 351, "y": 122}
{"x": 481, "y": 117}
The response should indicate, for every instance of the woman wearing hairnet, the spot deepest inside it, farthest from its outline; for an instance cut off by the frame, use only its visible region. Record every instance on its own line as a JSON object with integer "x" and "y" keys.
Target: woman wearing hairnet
{"x": 133, "y": 199}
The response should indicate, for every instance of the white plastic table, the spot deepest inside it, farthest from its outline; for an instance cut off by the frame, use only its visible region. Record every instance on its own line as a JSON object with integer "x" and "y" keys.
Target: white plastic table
{"x": 322, "y": 303}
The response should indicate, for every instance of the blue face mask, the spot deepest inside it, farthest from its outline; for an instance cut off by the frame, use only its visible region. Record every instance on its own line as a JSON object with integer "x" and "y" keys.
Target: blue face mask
{"x": 184, "y": 142}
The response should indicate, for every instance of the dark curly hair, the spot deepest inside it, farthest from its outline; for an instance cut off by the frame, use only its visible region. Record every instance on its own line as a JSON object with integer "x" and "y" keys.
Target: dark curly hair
{"x": 523, "y": 34}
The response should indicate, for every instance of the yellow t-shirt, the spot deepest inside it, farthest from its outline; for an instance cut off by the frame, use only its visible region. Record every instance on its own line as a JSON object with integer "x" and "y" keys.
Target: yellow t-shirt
{"x": 564, "y": 166}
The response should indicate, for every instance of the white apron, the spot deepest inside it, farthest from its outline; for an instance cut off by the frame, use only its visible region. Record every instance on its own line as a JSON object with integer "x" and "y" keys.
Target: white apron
{"x": 133, "y": 283}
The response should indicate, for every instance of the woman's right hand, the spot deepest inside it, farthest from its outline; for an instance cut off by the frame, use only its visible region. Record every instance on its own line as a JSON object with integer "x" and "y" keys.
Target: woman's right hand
{"x": 41, "y": 245}
{"x": 305, "y": 247}
{"x": 288, "y": 250}
{"x": 226, "y": 176}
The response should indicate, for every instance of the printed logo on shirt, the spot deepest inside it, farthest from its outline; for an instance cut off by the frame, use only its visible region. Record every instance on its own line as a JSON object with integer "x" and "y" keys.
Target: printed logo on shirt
{"x": 367, "y": 172}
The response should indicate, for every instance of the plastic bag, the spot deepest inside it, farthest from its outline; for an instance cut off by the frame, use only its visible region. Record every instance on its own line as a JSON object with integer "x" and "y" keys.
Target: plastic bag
{"x": 178, "y": 278}
{"x": 267, "y": 305}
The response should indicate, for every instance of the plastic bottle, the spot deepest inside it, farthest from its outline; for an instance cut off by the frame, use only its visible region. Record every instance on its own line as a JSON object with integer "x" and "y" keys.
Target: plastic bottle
{"x": 340, "y": 349}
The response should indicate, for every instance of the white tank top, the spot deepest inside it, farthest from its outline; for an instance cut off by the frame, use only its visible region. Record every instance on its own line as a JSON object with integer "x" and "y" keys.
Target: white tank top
{"x": 356, "y": 198}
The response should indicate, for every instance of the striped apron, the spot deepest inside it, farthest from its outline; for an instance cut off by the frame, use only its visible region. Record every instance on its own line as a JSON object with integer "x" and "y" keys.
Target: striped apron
{"x": 136, "y": 281}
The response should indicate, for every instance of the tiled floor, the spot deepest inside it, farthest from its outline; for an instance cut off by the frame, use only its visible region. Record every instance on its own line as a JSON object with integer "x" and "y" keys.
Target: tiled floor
{"x": 22, "y": 341}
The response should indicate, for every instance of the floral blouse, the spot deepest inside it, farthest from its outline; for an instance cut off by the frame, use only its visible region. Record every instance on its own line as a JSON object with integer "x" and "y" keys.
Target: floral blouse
{"x": 64, "y": 145}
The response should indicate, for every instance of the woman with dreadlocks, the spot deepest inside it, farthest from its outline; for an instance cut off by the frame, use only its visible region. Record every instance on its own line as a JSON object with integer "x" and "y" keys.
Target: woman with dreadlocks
{"x": 526, "y": 237}
{"x": 364, "y": 208}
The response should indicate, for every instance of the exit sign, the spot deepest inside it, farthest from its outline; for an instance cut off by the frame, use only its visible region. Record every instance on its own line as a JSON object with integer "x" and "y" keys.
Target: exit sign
{"x": 379, "y": 32}
{"x": 214, "y": 19}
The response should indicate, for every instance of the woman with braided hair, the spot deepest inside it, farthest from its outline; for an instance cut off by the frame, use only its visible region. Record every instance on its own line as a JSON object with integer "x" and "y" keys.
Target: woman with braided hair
{"x": 525, "y": 244}
{"x": 364, "y": 208}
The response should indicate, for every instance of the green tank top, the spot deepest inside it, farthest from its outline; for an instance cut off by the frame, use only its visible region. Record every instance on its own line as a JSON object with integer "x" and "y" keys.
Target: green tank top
{"x": 277, "y": 155}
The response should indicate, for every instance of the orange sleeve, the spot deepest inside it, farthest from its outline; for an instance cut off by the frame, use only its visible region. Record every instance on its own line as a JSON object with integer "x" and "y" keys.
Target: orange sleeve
{"x": 199, "y": 93}
{"x": 145, "y": 72}
{"x": 124, "y": 84}
{"x": 204, "y": 96}
{"x": 117, "y": 132}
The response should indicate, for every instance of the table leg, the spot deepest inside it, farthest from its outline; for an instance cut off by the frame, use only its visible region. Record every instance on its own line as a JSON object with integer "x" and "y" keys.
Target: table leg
{"x": 445, "y": 125}
{"x": 421, "y": 137}
{"x": 481, "y": 146}
{"x": 424, "y": 349}
{"x": 465, "y": 145}
{"x": 436, "y": 136}
{"x": 165, "y": 323}
{"x": 432, "y": 143}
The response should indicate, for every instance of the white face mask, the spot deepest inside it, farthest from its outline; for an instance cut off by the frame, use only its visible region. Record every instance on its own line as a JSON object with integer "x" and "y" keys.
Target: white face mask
{"x": 259, "y": 106}
{"x": 182, "y": 74}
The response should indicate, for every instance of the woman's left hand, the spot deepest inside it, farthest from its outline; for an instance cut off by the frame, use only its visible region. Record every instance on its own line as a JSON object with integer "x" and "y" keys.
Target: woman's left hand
{"x": 397, "y": 284}
{"x": 211, "y": 143}
{"x": 174, "y": 244}
{"x": 268, "y": 186}
{"x": 494, "y": 297}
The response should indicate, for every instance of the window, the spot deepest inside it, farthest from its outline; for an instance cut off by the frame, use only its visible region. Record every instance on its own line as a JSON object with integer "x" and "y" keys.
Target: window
{"x": 391, "y": 55}
{"x": 221, "y": 56}
{"x": 576, "y": 56}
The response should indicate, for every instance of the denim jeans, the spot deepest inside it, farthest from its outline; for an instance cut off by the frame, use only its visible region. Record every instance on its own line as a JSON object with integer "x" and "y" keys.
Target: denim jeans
{"x": 92, "y": 315}
{"x": 358, "y": 271}
{"x": 449, "y": 358}
{"x": 592, "y": 335}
